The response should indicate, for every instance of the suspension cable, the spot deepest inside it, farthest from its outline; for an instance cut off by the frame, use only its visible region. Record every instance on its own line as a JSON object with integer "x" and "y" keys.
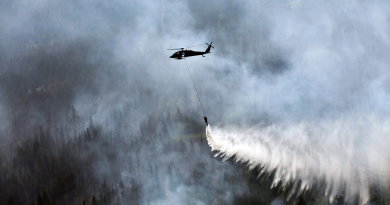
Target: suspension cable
{"x": 195, "y": 87}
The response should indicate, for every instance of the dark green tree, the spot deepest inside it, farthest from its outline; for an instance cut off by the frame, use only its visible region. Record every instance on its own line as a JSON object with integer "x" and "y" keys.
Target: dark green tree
{"x": 45, "y": 197}
{"x": 40, "y": 200}
{"x": 11, "y": 200}
{"x": 300, "y": 201}
{"x": 94, "y": 201}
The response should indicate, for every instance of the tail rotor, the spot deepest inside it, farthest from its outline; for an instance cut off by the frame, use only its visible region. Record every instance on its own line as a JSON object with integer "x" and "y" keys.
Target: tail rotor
{"x": 210, "y": 44}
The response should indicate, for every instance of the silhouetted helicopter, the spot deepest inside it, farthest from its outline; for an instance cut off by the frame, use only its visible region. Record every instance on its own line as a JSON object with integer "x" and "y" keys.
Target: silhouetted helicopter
{"x": 188, "y": 53}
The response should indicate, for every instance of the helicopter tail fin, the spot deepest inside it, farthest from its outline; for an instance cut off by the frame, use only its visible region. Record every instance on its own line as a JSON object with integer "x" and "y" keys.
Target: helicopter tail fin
{"x": 208, "y": 48}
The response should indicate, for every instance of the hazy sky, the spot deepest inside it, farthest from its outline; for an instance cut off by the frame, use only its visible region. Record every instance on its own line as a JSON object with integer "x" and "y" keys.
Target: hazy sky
{"x": 294, "y": 59}
{"x": 281, "y": 61}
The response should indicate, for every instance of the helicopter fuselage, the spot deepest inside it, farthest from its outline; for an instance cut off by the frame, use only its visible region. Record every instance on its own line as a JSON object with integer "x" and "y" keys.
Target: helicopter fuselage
{"x": 188, "y": 53}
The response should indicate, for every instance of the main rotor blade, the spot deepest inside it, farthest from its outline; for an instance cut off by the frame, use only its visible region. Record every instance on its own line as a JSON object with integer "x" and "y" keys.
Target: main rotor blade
{"x": 192, "y": 46}
{"x": 176, "y": 49}
{"x": 182, "y": 48}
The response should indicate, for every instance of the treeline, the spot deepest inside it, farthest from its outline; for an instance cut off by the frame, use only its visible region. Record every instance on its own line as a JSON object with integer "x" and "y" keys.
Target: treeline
{"x": 103, "y": 166}
{"x": 99, "y": 166}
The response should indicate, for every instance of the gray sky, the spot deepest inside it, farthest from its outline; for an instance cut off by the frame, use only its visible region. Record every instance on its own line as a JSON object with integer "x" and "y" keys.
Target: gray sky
{"x": 295, "y": 59}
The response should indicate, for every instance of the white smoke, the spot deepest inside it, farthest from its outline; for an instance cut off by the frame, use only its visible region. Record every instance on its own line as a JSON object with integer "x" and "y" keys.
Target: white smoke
{"x": 277, "y": 201}
{"x": 346, "y": 154}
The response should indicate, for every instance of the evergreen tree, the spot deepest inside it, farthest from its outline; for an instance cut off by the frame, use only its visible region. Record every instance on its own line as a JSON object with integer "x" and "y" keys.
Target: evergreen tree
{"x": 95, "y": 134}
{"x": 88, "y": 135}
{"x": 121, "y": 185}
{"x": 45, "y": 197}
{"x": 179, "y": 116}
{"x": 164, "y": 130}
{"x": 62, "y": 136}
{"x": 11, "y": 200}
{"x": 138, "y": 164}
{"x": 90, "y": 123}
{"x": 40, "y": 200}
{"x": 74, "y": 116}
{"x": 170, "y": 178}
{"x": 300, "y": 201}
{"x": 94, "y": 201}
{"x": 158, "y": 186}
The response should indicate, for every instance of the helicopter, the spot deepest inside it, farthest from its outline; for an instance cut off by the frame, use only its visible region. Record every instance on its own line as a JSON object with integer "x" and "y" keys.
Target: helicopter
{"x": 188, "y": 53}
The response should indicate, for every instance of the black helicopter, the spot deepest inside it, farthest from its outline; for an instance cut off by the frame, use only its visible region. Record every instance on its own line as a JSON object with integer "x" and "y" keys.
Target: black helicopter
{"x": 188, "y": 53}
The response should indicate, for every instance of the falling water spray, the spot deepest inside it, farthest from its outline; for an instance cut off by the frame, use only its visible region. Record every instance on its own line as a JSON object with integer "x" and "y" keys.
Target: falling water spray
{"x": 346, "y": 155}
